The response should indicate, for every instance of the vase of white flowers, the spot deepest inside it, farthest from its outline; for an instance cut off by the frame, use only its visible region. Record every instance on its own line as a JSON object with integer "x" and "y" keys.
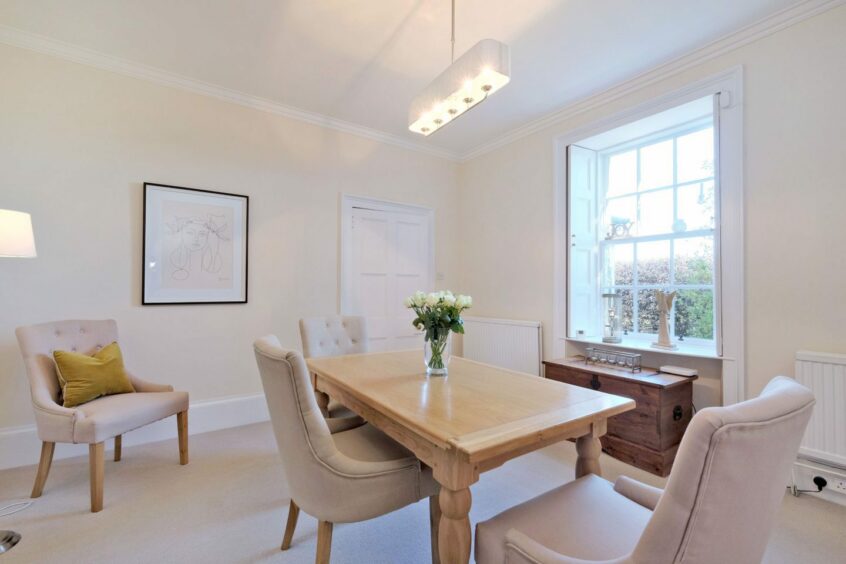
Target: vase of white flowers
{"x": 438, "y": 316}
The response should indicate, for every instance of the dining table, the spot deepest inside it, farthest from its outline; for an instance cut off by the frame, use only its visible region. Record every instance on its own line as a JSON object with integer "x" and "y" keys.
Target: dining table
{"x": 472, "y": 420}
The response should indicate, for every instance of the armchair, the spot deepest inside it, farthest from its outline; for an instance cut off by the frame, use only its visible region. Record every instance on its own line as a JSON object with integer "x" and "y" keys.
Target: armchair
{"x": 98, "y": 420}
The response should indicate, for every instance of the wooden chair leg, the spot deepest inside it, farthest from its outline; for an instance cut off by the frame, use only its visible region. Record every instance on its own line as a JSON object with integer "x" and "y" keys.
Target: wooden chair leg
{"x": 182, "y": 427}
{"x": 434, "y": 522}
{"x": 293, "y": 513}
{"x": 118, "y": 444}
{"x": 324, "y": 542}
{"x": 95, "y": 462}
{"x": 43, "y": 468}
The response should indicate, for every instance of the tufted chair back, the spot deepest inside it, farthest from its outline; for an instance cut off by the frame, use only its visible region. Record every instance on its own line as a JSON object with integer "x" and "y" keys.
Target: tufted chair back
{"x": 333, "y": 336}
{"x": 729, "y": 479}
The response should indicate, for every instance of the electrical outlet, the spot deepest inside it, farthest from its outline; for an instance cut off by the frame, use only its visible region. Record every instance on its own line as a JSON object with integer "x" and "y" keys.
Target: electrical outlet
{"x": 838, "y": 485}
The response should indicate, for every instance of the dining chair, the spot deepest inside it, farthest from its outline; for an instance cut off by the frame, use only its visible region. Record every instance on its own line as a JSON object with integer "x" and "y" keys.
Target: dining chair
{"x": 724, "y": 490}
{"x": 96, "y": 421}
{"x": 335, "y": 473}
{"x": 333, "y": 335}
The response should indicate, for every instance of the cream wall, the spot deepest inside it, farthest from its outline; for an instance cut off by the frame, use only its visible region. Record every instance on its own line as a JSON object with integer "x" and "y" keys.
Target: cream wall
{"x": 77, "y": 143}
{"x": 795, "y": 118}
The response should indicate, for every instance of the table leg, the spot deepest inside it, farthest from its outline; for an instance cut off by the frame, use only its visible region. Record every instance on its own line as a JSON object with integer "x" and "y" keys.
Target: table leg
{"x": 589, "y": 448}
{"x": 454, "y": 535}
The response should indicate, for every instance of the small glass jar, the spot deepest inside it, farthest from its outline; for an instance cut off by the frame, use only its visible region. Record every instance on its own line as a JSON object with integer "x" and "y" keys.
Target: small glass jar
{"x": 612, "y": 323}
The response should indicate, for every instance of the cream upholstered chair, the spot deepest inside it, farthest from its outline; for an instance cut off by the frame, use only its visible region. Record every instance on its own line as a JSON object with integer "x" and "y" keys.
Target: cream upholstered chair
{"x": 333, "y": 336}
{"x": 725, "y": 488}
{"x": 98, "y": 420}
{"x": 335, "y": 473}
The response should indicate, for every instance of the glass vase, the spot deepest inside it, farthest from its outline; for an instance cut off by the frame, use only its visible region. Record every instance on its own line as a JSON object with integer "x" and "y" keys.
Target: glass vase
{"x": 437, "y": 352}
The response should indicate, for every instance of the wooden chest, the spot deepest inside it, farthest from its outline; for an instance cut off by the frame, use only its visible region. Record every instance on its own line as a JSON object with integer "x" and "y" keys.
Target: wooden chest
{"x": 649, "y": 435}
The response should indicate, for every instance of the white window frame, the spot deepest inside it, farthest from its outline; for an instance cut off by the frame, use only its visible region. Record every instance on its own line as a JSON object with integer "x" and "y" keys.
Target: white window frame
{"x": 729, "y": 269}
{"x": 604, "y": 156}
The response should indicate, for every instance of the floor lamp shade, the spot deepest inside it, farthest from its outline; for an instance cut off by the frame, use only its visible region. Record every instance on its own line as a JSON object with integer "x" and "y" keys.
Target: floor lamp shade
{"x": 16, "y": 238}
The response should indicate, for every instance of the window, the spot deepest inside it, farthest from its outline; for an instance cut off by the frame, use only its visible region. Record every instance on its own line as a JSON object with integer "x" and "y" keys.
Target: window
{"x": 643, "y": 217}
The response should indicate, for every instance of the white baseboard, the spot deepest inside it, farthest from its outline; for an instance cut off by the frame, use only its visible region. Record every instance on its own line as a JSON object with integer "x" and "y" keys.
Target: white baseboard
{"x": 19, "y": 446}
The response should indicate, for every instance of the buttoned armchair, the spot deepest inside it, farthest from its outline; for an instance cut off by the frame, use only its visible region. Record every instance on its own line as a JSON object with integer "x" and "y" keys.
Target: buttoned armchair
{"x": 725, "y": 488}
{"x": 94, "y": 422}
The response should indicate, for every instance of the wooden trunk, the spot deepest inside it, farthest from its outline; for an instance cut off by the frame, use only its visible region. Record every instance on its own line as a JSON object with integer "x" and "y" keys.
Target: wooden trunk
{"x": 648, "y": 436}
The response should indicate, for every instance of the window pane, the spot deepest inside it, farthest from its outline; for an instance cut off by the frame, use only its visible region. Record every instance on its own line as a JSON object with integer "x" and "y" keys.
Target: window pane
{"x": 647, "y": 315}
{"x": 656, "y": 165}
{"x": 695, "y": 155}
{"x": 694, "y": 260}
{"x": 656, "y": 213}
{"x": 622, "y": 173}
{"x": 627, "y": 323}
{"x": 620, "y": 215}
{"x": 619, "y": 265}
{"x": 695, "y": 314}
{"x": 653, "y": 262}
{"x": 696, "y": 207}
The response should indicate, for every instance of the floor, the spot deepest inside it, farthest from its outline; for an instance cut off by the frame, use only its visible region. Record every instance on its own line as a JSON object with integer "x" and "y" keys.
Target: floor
{"x": 229, "y": 505}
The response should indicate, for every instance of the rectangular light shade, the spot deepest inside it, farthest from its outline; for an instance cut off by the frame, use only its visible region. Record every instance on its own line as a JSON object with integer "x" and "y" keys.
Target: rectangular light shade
{"x": 474, "y": 76}
{"x": 16, "y": 238}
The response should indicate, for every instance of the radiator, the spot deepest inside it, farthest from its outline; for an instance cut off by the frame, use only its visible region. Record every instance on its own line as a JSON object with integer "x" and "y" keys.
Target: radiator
{"x": 825, "y": 375}
{"x": 516, "y": 345}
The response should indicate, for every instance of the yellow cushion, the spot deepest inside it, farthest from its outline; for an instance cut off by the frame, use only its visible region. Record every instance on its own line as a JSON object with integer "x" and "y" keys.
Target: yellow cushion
{"x": 85, "y": 378}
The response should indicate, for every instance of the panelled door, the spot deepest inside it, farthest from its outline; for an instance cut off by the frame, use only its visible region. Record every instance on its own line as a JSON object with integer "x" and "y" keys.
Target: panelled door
{"x": 388, "y": 258}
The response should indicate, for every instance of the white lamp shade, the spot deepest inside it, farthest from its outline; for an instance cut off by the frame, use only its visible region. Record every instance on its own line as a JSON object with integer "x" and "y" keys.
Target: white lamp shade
{"x": 16, "y": 238}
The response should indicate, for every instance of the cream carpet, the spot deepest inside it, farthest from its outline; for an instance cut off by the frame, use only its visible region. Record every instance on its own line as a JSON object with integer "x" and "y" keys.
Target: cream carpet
{"x": 229, "y": 505}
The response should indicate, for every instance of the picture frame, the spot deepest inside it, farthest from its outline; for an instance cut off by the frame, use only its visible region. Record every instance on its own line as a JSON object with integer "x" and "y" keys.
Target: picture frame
{"x": 195, "y": 246}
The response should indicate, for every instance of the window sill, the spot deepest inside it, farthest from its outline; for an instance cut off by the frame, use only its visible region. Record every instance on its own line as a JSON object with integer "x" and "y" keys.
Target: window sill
{"x": 684, "y": 349}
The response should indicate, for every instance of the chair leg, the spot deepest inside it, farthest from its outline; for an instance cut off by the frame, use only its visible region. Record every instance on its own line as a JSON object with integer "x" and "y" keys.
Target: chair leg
{"x": 434, "y": 522}
{"x": 118, "y": 444}
{"x": 95, "y": 462}
{"x": 324, "y": 542}
{"x": 182, "y": 427}
{"x": 43, "y": 468}
{"x": 293, "y": 513}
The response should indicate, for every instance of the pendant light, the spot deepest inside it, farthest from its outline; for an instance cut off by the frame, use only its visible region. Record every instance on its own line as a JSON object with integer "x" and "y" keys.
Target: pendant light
{"x": 477, "y": 74}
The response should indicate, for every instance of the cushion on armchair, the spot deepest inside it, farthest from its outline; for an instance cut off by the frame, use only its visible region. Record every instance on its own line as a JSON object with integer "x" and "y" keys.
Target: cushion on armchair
{"x": 84, "y": 378}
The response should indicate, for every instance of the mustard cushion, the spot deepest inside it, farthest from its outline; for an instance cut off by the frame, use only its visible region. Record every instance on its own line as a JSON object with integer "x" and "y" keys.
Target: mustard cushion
{"x": 85, "y": 378}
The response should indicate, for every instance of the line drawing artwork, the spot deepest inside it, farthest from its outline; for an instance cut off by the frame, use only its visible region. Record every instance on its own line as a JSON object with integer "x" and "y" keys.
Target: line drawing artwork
{"x": 199, "y": 245}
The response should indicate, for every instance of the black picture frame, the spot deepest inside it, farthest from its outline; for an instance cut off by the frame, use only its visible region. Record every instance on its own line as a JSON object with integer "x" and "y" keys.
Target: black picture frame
{"x": 150, "y": 258}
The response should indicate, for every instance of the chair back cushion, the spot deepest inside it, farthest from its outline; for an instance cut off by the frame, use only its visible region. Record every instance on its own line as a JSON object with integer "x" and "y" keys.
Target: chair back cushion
{"x": 728, "y": 479}
{"x": 333, "y": 336}
{"x": 38, "y": 342}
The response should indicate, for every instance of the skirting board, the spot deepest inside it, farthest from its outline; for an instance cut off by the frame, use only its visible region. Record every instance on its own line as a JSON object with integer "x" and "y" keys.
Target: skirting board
{"x": 19, "y": 446}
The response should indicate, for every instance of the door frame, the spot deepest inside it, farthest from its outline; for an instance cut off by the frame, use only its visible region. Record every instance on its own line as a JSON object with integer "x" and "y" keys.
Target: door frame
{"x": 351, "y": 201}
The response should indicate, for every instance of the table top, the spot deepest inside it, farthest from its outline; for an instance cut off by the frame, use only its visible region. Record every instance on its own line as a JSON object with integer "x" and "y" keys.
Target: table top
{"x": 474, "y": 408}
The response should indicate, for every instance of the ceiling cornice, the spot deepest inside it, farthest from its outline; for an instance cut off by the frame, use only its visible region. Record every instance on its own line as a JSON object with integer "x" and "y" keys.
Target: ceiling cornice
{"x": 27, "y": 40}
{"x": 767, "y": 26}
{"x": 760, "y": 29}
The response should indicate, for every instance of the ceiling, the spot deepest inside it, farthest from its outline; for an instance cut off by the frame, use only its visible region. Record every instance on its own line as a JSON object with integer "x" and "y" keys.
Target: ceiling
{"x": 363, "y": 61}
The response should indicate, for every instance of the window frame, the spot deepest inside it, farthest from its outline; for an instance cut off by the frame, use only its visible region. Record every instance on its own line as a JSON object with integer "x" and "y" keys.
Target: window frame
{"x": 637, "y": 144}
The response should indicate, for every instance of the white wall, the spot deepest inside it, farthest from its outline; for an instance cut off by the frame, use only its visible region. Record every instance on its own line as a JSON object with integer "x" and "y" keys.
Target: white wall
{"x": 77, "y": 143}
{"x": 794, "y": 184}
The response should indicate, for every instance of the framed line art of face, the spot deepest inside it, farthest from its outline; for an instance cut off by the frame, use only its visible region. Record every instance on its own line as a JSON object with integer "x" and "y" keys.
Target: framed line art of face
{"x": 195, "y": 246}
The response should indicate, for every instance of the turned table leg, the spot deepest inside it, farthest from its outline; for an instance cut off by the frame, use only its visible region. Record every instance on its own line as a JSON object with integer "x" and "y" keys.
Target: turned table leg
{"x": 589, "y": 448}
{"x": 454, "y": 532}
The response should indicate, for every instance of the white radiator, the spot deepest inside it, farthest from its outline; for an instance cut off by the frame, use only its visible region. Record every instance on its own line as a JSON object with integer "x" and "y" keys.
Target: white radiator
{"x": 825, "y": 375}
{"x": 516, "y": 345}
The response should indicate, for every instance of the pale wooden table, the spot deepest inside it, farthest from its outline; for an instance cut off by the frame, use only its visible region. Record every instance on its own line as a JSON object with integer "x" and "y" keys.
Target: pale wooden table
{"x": 471, "y": 421}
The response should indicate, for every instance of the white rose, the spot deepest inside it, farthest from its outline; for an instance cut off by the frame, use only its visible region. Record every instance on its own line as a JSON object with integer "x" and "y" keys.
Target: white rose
{"x": 419, "y": 298}
{"x": 463, "y": 302}
{"x": 408, "y": 302}
{"x": 449, "y": 299}
{"x": 433, "y": 299}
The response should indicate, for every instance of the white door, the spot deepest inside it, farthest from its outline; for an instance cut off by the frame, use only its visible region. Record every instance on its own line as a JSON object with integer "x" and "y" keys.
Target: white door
{"x": 388, "y": 257}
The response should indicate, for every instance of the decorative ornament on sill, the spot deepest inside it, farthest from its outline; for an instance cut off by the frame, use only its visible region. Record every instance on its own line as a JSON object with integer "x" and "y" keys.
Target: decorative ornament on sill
{"x": 665, "y": 306}
{"x": 438, "y": 315}
{"x": 620, "y": 227}
{"x": 612, "y": 326}
{"x": 468, "y": 81}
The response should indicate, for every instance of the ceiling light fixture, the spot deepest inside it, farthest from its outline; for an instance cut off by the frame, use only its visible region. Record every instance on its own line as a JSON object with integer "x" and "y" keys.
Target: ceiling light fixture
{"x": 477, "y": 74}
